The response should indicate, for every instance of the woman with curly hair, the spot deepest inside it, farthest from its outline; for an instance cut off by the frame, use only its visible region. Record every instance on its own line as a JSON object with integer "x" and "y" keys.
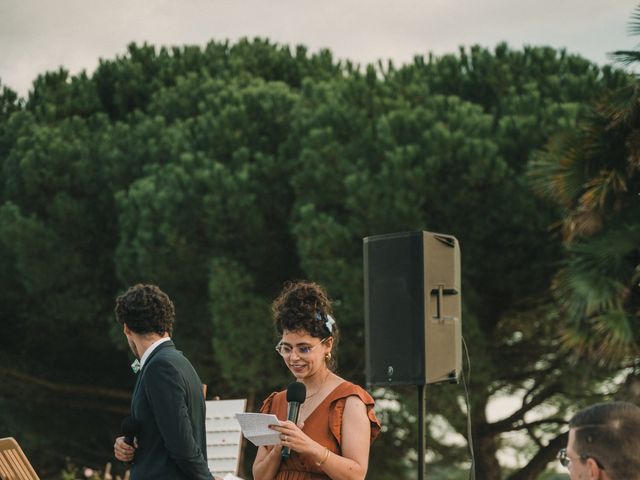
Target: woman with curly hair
{"x": 337, "y": 423}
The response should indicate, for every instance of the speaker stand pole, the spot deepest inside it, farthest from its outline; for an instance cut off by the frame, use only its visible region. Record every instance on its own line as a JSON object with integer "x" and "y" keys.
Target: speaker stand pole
{"x": 422, "y": 452}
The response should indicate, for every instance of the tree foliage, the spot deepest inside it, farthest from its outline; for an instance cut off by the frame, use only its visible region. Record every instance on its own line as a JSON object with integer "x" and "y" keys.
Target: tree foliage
{"x": 592, "y": 173}
{"x": 219, "y": 173}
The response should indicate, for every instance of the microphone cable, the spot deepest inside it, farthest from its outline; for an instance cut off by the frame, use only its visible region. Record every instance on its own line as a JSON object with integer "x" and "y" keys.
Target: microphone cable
{"x": 472, "y": 470}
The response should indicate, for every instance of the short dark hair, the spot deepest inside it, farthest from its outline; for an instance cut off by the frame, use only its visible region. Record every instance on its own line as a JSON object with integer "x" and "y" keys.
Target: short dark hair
{"x": 145, "y": 309}
{"x": 610, "y": 433}
{"x": 305, "y": 306}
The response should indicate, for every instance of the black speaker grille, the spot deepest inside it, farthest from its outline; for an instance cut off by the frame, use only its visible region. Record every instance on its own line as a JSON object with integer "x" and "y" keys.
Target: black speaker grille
{"x": 394, "y": 309}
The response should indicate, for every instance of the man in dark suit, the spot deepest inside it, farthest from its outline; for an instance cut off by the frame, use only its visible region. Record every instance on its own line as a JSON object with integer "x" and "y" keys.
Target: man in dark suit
{"x": 168, "y": 402}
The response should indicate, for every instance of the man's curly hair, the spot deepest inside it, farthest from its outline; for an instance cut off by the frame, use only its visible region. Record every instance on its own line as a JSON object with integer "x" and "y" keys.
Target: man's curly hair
{"x": 145, "y": 309}
{"x": 304, "y": 306}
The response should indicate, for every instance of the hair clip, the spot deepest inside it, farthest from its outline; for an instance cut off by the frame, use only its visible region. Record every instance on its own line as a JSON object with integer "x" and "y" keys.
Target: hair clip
{"x": 329, "y": 322}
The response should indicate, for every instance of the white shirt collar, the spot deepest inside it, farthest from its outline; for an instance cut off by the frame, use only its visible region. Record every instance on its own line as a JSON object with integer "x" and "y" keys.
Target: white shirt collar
{"x": 151, "y": 348}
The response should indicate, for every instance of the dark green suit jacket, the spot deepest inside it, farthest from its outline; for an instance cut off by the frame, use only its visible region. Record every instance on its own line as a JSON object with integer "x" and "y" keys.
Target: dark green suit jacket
{"x": 168, "y": 404}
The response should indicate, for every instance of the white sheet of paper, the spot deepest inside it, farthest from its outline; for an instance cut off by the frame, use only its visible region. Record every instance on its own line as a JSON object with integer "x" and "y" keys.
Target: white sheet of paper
{"x": 255, "y": 428}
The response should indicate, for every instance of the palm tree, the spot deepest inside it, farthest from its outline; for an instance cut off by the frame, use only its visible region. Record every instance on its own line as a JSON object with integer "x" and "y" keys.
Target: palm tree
{"x": 629, "y": 57}
{"x": 593, "y": 174}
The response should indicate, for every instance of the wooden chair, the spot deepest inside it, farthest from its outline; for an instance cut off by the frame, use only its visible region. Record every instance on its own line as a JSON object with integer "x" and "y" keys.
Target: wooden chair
{"x": 13, "y": 463}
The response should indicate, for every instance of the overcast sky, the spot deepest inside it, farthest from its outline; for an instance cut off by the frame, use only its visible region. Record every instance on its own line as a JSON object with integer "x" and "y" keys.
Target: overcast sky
{"x": 41, "y": 35}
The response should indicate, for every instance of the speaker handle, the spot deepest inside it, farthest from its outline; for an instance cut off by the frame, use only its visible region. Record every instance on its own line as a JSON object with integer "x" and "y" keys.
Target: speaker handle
{"x": 439, "y": 294}
{"x": 439, "y": 303}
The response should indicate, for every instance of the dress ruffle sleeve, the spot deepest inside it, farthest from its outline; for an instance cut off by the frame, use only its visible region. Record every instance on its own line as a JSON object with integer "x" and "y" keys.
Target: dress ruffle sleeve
{"x": 266, "y": 405}
{"x": 338, "y": 404}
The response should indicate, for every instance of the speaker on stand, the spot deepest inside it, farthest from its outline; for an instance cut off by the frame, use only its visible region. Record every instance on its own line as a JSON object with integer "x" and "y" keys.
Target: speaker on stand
{"x": 412, "y": 295}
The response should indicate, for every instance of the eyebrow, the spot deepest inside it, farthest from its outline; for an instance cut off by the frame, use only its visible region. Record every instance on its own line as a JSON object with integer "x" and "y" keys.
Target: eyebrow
{"x": 301, "y": 344}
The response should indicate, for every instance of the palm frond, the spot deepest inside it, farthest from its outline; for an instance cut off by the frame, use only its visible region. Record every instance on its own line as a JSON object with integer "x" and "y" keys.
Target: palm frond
{"x": 606, "y": 254}
{"x": 576, "y": 341}
{"x": 593, "y": 292}
{"x": 616, "y": 335}
{"x": 633, "y": 28}
{"x": 620, "y": 108}
{"x": 606, "y": 339}
{"x": 606, "y": 184}
{"x": 633, "y": 147}
{"x": 582, "y": 223}
{"x": 628, "y": 57}
{"x": 625, "y": 57}
{"x": 554, "y": 172}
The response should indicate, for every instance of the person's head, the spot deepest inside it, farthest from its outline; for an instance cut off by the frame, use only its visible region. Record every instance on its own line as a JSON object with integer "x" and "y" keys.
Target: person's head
{"x": 144, "y": 311}
{"x": 303, "y": 317}
{"x": 604, "y": 442}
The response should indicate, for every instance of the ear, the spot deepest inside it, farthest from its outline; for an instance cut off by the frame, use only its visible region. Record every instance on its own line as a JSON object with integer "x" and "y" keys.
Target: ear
{"x": 125, "y": 329}
{"x": 595, "y": 473}
{"x": 329, "y": 343}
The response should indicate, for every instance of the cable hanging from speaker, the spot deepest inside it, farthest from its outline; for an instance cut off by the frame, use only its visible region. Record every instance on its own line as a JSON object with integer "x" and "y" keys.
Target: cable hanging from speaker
{"x": 465, "y": 378}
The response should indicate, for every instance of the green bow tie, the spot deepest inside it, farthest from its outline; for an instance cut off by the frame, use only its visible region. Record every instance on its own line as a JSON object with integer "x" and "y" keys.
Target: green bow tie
{"x": 135, "y": 366}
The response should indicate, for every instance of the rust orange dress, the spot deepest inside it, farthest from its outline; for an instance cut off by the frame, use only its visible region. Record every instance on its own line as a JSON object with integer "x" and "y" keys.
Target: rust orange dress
{"x": 323, "y": 425}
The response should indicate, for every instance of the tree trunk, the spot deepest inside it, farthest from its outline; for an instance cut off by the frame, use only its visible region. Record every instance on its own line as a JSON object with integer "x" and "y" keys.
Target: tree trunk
{"x": 485, "y": 448}
{"x": 485, "y": 443}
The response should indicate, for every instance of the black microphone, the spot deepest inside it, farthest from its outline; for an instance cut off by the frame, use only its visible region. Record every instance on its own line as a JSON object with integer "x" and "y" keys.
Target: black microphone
{"x": 296, "y": 394}
{"x": 130, "y": 428}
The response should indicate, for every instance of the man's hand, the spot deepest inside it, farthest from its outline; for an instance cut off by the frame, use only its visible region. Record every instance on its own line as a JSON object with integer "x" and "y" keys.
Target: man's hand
{"x": 123, "y": 451}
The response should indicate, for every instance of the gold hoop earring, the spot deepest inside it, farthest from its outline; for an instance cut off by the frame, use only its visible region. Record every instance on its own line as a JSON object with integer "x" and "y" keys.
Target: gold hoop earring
{"x": 328, "y": 356}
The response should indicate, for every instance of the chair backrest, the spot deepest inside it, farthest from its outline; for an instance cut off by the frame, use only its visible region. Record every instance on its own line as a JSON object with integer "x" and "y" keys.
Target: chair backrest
{"x": 224, "y": 437}
{"x": 13, "y": 463}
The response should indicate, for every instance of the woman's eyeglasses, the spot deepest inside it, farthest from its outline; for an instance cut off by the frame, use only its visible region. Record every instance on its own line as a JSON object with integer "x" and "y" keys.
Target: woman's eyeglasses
{"x": 285, "y": 349}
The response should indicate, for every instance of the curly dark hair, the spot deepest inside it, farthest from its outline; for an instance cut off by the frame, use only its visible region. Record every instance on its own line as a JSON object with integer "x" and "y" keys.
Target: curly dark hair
{"x": 304, "y": 306}
{"x": 145, "y": 309}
